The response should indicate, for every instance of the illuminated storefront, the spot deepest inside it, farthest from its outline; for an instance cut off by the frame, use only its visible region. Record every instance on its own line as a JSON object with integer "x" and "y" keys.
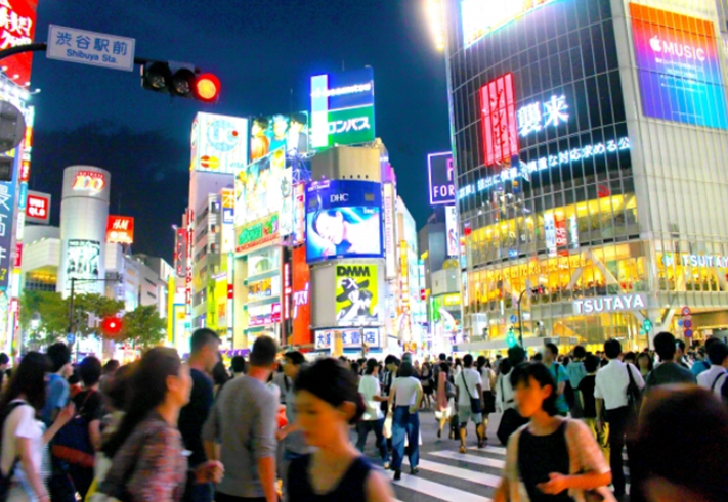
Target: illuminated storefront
{"x": 617, "y": 211}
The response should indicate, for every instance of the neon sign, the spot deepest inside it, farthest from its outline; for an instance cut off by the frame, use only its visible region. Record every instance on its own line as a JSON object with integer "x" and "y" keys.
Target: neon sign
{"x": 535, "y": 117}
{"x": 482, "y": 17}
{"x": 89, "y": 180}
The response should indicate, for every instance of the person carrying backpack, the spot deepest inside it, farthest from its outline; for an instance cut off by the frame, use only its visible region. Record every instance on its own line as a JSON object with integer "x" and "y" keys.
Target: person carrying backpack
{"x": 714, "y": 379}
{"x": 23, "y": 437}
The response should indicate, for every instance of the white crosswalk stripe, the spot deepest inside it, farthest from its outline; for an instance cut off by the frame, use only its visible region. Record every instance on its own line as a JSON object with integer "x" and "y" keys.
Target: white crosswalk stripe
{"x": 473, "y": 459}
{"x": 437, "y": 490}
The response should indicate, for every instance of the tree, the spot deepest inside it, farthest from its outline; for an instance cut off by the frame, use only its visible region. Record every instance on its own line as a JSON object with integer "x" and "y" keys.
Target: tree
{"x": 53, "y": 312}
{"x": 96, "y": 304}
{"x": 143, "y": 327}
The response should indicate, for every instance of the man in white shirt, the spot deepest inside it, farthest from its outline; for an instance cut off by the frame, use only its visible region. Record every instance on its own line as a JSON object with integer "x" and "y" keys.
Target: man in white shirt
{"x": 611, "y": 395}
{"x": 714, "y": 378}
{"x": 373, "y": 418}
{"x": 469, "y": 386}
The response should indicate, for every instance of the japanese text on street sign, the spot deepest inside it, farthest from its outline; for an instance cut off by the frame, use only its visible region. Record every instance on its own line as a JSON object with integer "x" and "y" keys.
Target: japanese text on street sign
{"x": 87, "y": 47}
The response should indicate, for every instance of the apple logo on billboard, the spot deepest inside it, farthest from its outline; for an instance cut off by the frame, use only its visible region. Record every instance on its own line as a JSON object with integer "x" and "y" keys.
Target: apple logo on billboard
{"x": 656, "y": 44}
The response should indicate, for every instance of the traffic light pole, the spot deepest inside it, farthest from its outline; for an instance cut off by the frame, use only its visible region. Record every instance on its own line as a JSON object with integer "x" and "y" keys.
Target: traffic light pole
{"x": 42, "y": 46}
{"x": 520, "y": 319}
{"x": 72, "y": 305}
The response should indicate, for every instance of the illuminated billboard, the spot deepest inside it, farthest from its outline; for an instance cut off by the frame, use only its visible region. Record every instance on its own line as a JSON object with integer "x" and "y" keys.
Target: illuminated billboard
{"x": 289, "y": 131}
{"x": 350, "y": 338}
{"x": 83, "y": 262}
{"x": 498, "y": 120}
{"x": 92, "y": 182}
{"x": 7, "y": 209}
{"x": 17, "y": 27}
{"x": 442, "y": 178}
{"x": 343, "y": 220}
{"x": 38, "y": 208}
{"x": 342, "y": 108}
{"x": 453, "y": 233}
{"x": 261, "y": 187}
{"x": 257, "y": 234}
{"x": 301, "y": 298}
{"x": 482, "y": 17}
{"x": 299, "y": 213}
{"x": 120, "y": 230}
{"x": 218, "y": 144}
{"x": 357, "y": 298}
{"x": 679, "y": 67}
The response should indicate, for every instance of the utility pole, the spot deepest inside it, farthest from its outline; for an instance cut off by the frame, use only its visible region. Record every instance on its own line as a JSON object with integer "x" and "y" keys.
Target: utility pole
{"x": 72, "y": 306}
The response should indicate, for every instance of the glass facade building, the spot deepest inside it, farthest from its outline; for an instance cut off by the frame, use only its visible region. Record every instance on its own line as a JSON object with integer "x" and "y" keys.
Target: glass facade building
{"x": 590, "y": 141}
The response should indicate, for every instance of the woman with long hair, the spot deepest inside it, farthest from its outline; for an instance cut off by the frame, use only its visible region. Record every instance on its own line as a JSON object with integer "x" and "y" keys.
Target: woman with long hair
{"x": 553, "y": 458}
{"x": 24, "y": 440}
{"x": 148, "y": 461}
{"x": 644, "y": 362}
{"x": 426, "y": 379}
{"x": 327, "y": 403}
{"x": 445, "y": 398}
{"x": 488, "y": 378}
{"x": 405, "y": 398}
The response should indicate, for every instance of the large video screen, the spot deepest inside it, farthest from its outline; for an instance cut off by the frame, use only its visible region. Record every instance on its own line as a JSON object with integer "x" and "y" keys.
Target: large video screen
{"x": 261, "y": 187}
{"x": 218, "y": 144}
{"x": 679, "y": 67}
{"x": 83, "y": 262}
{"x": 281, "y": 130}
{"x": 343, "y": 220}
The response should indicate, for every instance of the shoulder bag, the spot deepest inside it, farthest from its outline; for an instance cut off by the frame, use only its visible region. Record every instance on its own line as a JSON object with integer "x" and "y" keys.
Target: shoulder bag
{"x": 634, "y": 394}
{"x": 72, "y": 442}
{"x": 474, "y": 401}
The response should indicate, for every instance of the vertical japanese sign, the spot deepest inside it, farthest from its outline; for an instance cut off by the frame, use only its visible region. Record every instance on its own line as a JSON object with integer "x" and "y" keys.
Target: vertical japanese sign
{"x": 180, "y": 251}
{"x": 498, "y": 118}
{"x": 301, "y": 299}
{"x": 550, "y": 233}
{"x": 390, "y": 251}
{"x": 453, "y": 233}
{"x": 299, "y": 213}
{"x": 560, "y": 227}
{"x": 228, "y": 229}
{"x": 17, "y": 27}
{"x": 7, "y": 208}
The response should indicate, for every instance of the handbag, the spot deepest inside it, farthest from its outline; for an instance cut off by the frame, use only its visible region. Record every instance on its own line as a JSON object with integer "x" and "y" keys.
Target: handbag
{"x": 72, "y": 442}
{"x": 474, "y": 401}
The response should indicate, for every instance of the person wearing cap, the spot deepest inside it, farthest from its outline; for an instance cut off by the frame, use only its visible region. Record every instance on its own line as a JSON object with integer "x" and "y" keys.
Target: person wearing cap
{"x": 373, "y": 418}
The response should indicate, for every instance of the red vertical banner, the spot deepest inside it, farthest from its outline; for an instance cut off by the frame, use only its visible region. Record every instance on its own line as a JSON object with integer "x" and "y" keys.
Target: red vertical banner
{"x": 498, "y": 120}
{"x": 560, "y": 224}
{"x": 301, "y": 299}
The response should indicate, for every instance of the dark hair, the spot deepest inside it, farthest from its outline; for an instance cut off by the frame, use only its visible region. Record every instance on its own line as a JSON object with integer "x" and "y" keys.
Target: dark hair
{"x": 680, "y": 344}
{"x": 328, "y": 380}
{"x": 75, "y": 377}
{"x": 579, "y": 352}
{"x": 110, "y": 367}
{"x": 505, "y": 366}
{"x": 591, "y": 363}
{"x": 355, "y": 368}
{"x": 389, "y": 359}
{"x": 553, "y": 349}
{"x": 468, "y": 361}
{"x": 29, "y": 379}
{"x": 710, "y": 341}
{"x": 147, "y": 390}
{"x": 299, "y": 118}
{"x": 517, "y": 355}
{"x": 481, "y": 362}
{"x": 262, "y": 122}
{"x": 649, "y": 360}
{"x": 444, "y": 368}
{"x": 238, "y": 364}
{"x": 372, "y": 364}
{"x": 60, "y": 355}
{"x": 657, "y": 445}
{"x": 90, "y": 371}
{"x": 4, "y": 359}
{"x": 264, "y": 351}
{"x": 612, "y": 348}
{"x": 539, "y": 372}
{"x": 442, "y": 357}
{"x": 537, "y": 357}
{"x": 295, "y": 357}
{"x": 717, "y": 352}
{"x": 201, "y": 338}
{"x": 406, "y": 369}
{"x": 116, "y": 388}
{"x": 665, "y": 345}
{"x": 219, "y": 373}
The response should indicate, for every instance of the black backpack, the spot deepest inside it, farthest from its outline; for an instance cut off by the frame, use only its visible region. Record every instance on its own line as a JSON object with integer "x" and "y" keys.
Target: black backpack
{"x": 5, "y": 478}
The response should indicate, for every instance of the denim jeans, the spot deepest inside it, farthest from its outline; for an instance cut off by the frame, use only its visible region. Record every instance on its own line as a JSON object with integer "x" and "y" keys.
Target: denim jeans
{"x": 363, "y": 427}
{"x": 404, "y": 422}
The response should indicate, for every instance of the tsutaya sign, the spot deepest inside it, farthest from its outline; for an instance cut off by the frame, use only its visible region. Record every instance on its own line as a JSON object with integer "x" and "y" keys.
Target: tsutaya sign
{"x": 702, "y": 261}
{"x": 618, "y": 303}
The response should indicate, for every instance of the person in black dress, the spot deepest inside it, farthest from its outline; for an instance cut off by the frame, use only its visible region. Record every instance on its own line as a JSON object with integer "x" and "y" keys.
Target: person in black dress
{"x": 327, "y": 403}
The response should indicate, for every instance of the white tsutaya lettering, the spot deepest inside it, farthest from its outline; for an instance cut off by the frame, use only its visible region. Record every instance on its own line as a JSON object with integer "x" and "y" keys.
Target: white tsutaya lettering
{"x": 579, "y": 305}
{"x": 638, "y": 303}
{"x": 618, "y": 305}
{"x": 608, "y": 303}
{"x": 628, "y": 301}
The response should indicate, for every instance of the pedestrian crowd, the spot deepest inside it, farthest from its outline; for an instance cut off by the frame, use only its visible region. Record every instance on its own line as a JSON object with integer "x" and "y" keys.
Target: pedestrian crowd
{"x": 275, "y": 427}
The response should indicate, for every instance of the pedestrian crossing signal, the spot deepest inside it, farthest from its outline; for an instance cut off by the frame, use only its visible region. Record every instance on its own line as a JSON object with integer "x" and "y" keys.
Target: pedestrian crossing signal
{"x": 511, "y": 338}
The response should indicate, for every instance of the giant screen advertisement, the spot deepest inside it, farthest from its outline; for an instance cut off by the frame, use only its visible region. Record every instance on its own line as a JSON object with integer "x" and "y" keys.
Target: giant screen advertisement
{"x": 218, "y": 144}
{"x": 679, "y": 67}
{"x": 357, "y": 295}
{"x": 83, "y": 262}
{"x": 289, "y": 131}
{"x": 343, "y": 220}
{"x": 262, "y": 188}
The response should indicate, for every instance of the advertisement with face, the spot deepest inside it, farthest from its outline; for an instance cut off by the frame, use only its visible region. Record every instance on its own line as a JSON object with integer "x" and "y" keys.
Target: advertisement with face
{"x": 219, "y": 144}
{"x": 83, "y": 262}
{"x": 453, "y": 234}
{"x": 289, "y": 131}
{"x": 343, "y": 219}
{"x": 260, "y": 188}
{"x": 357, "y": 299}
{"x": 679, "y": 67}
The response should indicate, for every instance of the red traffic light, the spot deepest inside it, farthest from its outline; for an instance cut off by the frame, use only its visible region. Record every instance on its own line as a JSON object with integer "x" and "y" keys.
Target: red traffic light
{"x": 111, "y": 325}
{"x": 207, "y": 87}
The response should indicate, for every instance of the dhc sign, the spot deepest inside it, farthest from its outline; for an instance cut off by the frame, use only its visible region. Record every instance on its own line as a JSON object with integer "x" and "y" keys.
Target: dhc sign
{"x": 618, "y": 303}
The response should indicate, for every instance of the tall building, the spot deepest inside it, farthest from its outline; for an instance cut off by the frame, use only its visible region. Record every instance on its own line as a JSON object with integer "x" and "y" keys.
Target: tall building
{"x": 590, "y": 144}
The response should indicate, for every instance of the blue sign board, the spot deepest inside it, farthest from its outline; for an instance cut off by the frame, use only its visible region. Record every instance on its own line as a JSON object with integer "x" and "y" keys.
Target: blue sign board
{"x": 514, "y": 318}
{"x": 88, "y": 47}
{"x": 7, "y": 211}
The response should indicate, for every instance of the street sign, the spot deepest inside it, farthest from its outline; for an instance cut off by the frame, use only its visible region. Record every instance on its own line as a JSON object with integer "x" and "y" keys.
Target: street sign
{"x": 688, "y": 333}
{"x": 687, "y": 323}
{"x": 88, "y": 47}
{"x": 686, "y": 311}
{"x": 71, "y": 338}
{"x": 514, "y": 318}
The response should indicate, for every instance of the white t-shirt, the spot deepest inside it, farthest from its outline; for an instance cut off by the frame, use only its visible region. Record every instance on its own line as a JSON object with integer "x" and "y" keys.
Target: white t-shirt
{"x": 472, "y": 378}
{"x": 368, "y": 388}
{"x": 21, "y": 423}
{"x": 485, "y": 374}
{"x": 406, "y": 390}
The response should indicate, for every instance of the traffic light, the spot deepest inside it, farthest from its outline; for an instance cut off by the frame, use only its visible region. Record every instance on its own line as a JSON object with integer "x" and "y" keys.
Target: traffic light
{"x": 180, "y": 79}
{"x": 511, "y": 338}
{"x": 538, "y": 291}
{"x": 111, "y": 326}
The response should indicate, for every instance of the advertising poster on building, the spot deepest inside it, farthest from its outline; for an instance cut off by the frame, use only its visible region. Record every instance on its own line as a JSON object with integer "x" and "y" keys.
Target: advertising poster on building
{"x": 219, "y": 144}
{"x": 120, "y": 230}
{"x": 289, "y": 131}
{"x": 453, "y": 232}
{"x": 299, "y": 213}
{"x": 260, "y": 188}
{"x": 342, "y": 108}
{"x": 38, "y": 208}
{"x": 343, "y": 219}
{"x": 550, "y": 233}
{"x": 180, "y": 252}
{"x": 357, "y": 298}
{"x": 498, "y": 119}
{"x": 254, "y": 235}
{"x": 301, "y": 312}
{"x": 679, "y": 67}
{"x": 83, "y": 262}
{"x": 441, "y": 172}
{"x": 351, "y": 339}
{"x": 18, "y": 28}
{"x": 7, "y": 209}
{"x": 390, "y": 252}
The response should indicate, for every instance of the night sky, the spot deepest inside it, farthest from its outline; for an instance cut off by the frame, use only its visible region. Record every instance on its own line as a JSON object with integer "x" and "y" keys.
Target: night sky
{"x": 263, "y": 52}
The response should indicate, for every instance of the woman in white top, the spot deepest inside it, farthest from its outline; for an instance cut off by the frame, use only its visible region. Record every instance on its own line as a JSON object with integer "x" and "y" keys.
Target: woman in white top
{"x": 23, "y": 436}
{"x": 405, "y": 399}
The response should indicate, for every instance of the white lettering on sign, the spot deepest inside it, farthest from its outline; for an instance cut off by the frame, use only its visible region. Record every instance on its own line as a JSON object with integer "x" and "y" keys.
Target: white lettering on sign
{"x": 89, "y": 180}
{"x": 676, "y": 49}
{"x": 342, "y": 91}
{"x": 120, "y": 225}
{"x": 339, "y": 197}
{"x": 341, "y": 126}
{"x": 535, "y": 117}
{"x": 619, "y": 303}
{"x": 300, "y": 299}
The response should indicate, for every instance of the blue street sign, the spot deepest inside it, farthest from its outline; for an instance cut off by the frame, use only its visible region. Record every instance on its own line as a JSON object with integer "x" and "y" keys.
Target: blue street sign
{"x": 88, "y": 47}
{"x": 687, "y": 323}
{"x": 71, "y": 339}
{"x": 688, "y": 333}
{"x": 514, "y": 318}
